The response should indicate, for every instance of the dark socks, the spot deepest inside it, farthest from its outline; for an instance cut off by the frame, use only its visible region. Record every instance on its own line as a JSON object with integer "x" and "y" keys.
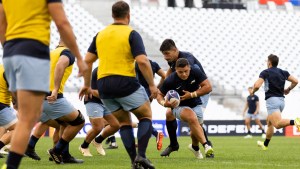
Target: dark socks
{"x": 99, "y": 139}
{"x": 249, "y": 132}
{"x": 172, "y": 127}
{"x": 85, "y": 144}
{"x": 60, "y": 146}
{"x": 154, "y": 132}
{"x": 113, "y": 139}
{"x": 266, "y": 143}
{"x": 205, "y": 135}
{"x": 1, "y": 144}
{"x": 32, "y": 142}
{"x": 196, "y": 148}
{"x": 292, "y": 122}
{"x": 13, "y": 160}
{"x": 66, "y": 151}
{"x": 143, "y": 135}
{"x": 127, "y": 137}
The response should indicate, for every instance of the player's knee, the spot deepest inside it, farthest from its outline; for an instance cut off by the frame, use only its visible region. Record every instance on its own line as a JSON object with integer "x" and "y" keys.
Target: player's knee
{"x": 78, "y": 121}
{"x": 277, "y": 126}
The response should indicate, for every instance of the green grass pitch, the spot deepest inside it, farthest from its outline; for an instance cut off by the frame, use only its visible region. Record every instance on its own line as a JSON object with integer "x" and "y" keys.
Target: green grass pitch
{"x": 230, "y": 152}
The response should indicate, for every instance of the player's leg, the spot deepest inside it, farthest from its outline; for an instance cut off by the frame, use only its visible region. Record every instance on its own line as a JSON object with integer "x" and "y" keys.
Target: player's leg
{"x": 6, "y": 137}
{"x": 258, "y": 122}
{"x": 270, "y": 131}
{"x": 8, "y": 120}
{"x": 188, "y": 115}
{"x": 40, "y": 129}
{"x": 112, "y": 126}
{"x": 95, "y": 113}
{"x": 171, "y": 124}
{"x": 75, "y": 121}
{"x": 28, "y": 79}
{"x": 247, "y": 123}
{"x": 138, "y": 103}
{"x": 110, "y": 129}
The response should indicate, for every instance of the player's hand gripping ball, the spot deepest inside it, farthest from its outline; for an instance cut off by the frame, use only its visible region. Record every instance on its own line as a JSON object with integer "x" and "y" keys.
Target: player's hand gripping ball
{"x": 172, "y": 96}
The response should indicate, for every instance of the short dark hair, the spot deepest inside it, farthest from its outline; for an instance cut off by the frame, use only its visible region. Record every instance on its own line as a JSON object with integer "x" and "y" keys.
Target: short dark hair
{"x": 273, "y": 59}
{"x": 120, "y": 9}
{"x": 182, "y": 62}
{"x": 167, "y": 44}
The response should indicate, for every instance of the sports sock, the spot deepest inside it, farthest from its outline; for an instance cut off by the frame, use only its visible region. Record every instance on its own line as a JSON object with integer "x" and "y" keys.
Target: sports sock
{"x": 196, "y": 148}
{"x": 32, "y": 142}
{"x": 65, "y": 151}
{"x": 249, "y": 132}
{"x": 127, "y": 137}
{"x": 85, "y": 144}
{"x": 292, "y": 122}
{"x": 59, "y": 147}
{"x": 172, "y": 127}
{"x": 99, "y": 139}
{"x": 113, "y": 139}
{"x": 13, "y": 160}
{"x": 205, "y": 135}
{"x": 143, "y": 135}
{"x": 1, "y": 144}
{"x": 266, "y": 143}
{"x": 154, "y": 132}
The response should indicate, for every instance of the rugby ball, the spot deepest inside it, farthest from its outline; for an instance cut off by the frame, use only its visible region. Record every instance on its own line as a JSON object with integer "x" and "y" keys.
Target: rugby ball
{"x": 173, "y": 96}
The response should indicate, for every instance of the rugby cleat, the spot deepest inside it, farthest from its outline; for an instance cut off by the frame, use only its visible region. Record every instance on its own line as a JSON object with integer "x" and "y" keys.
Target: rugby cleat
{"x": 169, "y": 150}
{"x": 85, "y": 152}
{"x": 159, "y": 140}
{"x": 261, "y": 144}
{"x": 209, "y": 152}
{"x": 30, "y": 152}
{"x": 297, "y": 123}
{"x": 99, "y": 148}
{"x": 143, "y": 162}
{"x": 248, "y": 136}
{"x": 197, "y": 154}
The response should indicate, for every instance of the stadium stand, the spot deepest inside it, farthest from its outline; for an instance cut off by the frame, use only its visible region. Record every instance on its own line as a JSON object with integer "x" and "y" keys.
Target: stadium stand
{"x": 232, "y": 44}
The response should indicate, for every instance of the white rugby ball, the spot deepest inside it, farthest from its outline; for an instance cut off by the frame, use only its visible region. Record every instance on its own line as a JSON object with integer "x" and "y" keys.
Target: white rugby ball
{"x": 173, "y": 96}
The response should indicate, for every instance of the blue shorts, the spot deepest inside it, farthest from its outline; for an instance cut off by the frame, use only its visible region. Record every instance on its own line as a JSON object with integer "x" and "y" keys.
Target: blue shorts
{"x": 27, "y": 73}
{"x": 127, "y": 103}
{"x": 198, "y": 111}
{"x": 275, "y": 104}
{"x": 204, "y": 100}
{"x": 7, "y": 117}
{"x": 59, "y": 108}
{"x": 252, "y": 116}
{"x": 96, "y": 110}
{"x": 44, "y": 117}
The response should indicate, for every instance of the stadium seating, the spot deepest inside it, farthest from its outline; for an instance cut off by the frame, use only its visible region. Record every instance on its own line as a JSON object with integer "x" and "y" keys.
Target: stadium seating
{"x": 232, "y": 45}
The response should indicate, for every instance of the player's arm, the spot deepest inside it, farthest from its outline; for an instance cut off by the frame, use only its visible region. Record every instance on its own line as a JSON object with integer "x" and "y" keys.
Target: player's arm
{"x": 89, "y": 59}
{"x": 161, "y": 100}
{"x": 169, "y": 71}
{"x": 61, "y": 65}
{"x": 245, "y": 108}
{"x": 294, "y": 83}
{"x": 162, "y": 75}
{"x": 204, "y": 88}
{"x": 58, "y": 15}
{"x": 139, "y": 53}
{"x": 257, "y": 85}
{"x": 3, "y": 24}
{"x": 257, "y": 107}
